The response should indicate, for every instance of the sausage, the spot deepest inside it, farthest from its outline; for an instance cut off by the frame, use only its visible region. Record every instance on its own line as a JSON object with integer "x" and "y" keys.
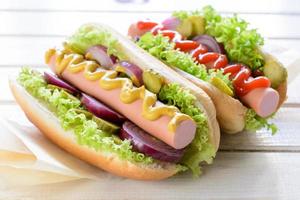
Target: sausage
{"x": 263, "y": 100}
{"x": 183, "y": 135}
{"x": 134, "y": 32}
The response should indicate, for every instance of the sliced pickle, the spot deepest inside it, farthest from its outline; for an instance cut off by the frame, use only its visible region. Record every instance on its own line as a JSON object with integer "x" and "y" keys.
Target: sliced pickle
{"x": 198, "y": 24}
{"x": 221, "y": 85}
{"x": 106, "y": 126}
{"x": 86, "y": 113}
{"x": 103, "y": 125}
{"x": 68, "y": 92}
{"x": 153, "y": 81}
{"x": 185, "y": 28}
{"x": 274, "y": 70}
{"x": 116, "y": 139}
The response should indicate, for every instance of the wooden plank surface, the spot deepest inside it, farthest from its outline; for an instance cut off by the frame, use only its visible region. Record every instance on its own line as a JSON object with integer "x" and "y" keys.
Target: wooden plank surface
{"x": 248, "y": 165}
{"x": 21, "y": 51}
{"x": 234, "y": 175}
{"x": 254, "y": 6}
{"x": 286, "y": 140}
{"x": 62, "y": 23}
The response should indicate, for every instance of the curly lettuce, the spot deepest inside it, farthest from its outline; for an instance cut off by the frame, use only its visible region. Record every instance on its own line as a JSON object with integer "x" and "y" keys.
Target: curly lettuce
{"x": 255, "y": 122}
{"x": 241, "y": 43}
{"x": 90, "y": 35}
{"x": 200, "y": 149}
{"x": 87, "y": 133}
{"x": 182, "y": 14}
{"x": 161, "y": 48}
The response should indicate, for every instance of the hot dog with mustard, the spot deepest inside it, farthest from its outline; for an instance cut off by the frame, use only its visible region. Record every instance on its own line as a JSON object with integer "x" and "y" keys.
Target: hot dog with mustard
{"x": 113, "y": 105}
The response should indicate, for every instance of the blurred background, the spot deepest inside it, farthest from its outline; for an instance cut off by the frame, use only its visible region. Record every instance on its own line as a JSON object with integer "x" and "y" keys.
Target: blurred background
{"x": 31, "y": 26}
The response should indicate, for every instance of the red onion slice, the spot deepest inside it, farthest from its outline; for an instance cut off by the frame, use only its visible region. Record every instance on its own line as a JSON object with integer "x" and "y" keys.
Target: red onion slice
{"x": 148, "y": 145}
{"x": 133, "y": 71}
{"x": 171, "y": 23}
{"x": 99, "y": 53}
{"x": 101, "y": 110}
{"x": 54, "y": 80}
{"x": 211, "y": 44}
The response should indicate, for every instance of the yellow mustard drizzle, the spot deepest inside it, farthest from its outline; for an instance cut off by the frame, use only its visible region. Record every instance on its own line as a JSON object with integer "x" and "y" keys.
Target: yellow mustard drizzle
{"x": 108, "y": 80}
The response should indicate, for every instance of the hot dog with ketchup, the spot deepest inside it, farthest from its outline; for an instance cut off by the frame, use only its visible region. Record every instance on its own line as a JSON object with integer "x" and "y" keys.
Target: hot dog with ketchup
{"x": 113, "y": 105}
{"x": 224, "y": 58}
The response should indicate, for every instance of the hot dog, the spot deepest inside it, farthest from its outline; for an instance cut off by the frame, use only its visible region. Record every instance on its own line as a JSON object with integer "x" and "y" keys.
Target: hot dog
{"x": 263, "y": 100}
{"x": 180, "y": 138}
{"x": 219, "y": 54}
{"x": 113, "y": 105}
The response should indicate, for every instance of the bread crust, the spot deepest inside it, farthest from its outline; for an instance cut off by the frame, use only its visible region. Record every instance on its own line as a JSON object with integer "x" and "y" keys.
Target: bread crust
{"x": 144, "y": 60}
{"x": 231, "y": 112}
{"x": 50, "y": 127}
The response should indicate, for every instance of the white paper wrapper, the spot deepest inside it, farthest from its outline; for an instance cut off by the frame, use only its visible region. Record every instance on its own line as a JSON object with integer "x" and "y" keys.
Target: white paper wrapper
{"x": 33, "y": 152}
{"x": 9, "y": 142}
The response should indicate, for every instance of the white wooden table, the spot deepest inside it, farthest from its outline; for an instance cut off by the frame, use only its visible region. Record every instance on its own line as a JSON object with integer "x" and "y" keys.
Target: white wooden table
{"x": 248, "y": 165}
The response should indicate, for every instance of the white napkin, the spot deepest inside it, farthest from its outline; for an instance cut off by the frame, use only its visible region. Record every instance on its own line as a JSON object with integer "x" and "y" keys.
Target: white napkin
{"x": 32, "y": 153}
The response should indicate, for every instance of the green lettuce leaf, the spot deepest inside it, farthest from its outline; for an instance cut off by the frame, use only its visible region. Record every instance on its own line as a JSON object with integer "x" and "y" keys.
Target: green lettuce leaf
{"x": 182, "y": 14}
{"x": 200, "y": 149}
{"x": 89, "y": 35}
{"x": 87, "y": 133}
{"x": 160, "y": 47}
{"x": 241, "y": 43}
{"x": 255, "y": 122}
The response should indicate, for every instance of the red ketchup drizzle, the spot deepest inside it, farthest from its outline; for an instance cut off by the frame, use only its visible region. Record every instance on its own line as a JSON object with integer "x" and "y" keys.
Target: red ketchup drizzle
{"x": 172, "y": 35}
{"x": 146, "y": 25}
{"x": 241, "y": 76}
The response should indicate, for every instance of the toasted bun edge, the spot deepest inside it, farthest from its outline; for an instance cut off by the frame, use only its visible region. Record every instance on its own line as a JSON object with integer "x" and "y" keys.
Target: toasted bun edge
{"x": 51, "y": 128}
{"x": 230, "y": 111}
{"x": 145, "y": 60}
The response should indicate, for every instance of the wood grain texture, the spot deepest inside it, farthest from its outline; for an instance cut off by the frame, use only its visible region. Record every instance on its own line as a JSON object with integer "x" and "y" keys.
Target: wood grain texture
{"x": 64, "y": 23}
{"x": 254, "y": 6}
{"x": 266, "y": 176}
{"x": 248, "y": 165}
{"x": 30, "y": 50}
{"x": 287, "y": 138}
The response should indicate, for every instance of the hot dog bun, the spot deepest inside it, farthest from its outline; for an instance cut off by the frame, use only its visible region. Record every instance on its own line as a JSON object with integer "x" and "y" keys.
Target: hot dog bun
{"x": 230, "y": 111}
{"x": 50, "y": 126}
{"x": 140, "y": 57}
{"x": 61, "y": 64}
